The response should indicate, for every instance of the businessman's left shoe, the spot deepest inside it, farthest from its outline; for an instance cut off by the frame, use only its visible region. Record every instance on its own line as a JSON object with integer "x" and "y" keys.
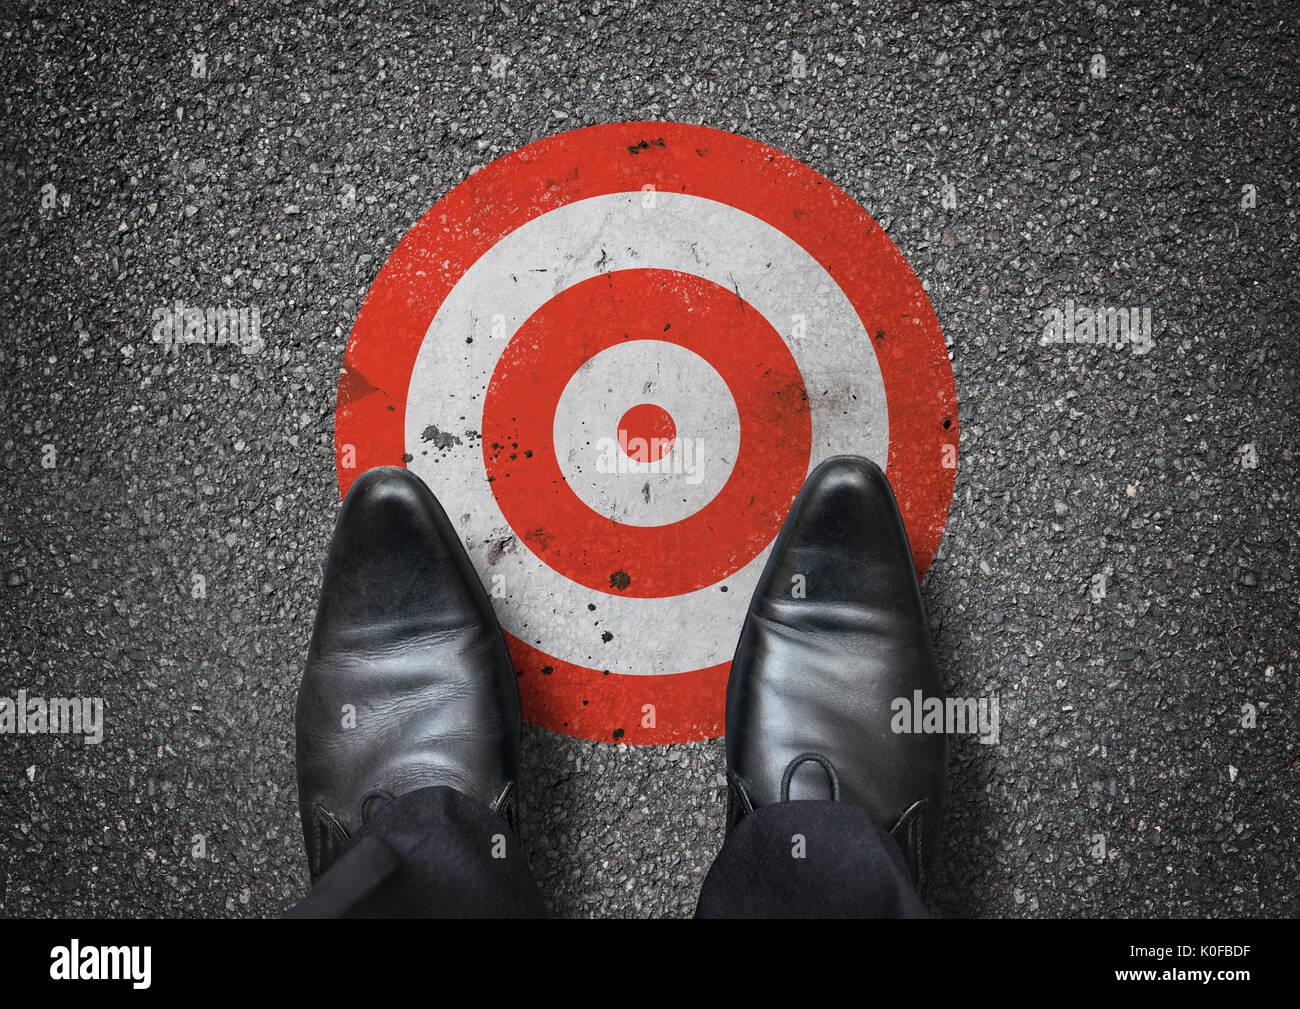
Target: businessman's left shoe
{"x": 408, "y": 683}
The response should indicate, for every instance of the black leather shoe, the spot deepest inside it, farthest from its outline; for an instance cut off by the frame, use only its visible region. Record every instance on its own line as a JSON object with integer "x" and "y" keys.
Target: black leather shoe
{"x": 408, "y": 683}
{"x": 836, "y": 632}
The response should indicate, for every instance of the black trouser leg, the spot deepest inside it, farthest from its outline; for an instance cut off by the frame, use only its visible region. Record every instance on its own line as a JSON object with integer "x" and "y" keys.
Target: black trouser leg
{"x": 809, "y": 860}
{"x": 431, "y": 853}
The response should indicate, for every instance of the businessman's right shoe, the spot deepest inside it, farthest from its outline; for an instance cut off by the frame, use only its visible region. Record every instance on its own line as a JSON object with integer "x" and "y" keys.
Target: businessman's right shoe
{"x": 408, "y": 683}
{"x": 836, "y": 633}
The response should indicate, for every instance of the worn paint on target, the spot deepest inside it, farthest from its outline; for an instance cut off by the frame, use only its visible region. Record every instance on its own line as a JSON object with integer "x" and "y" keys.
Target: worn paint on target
{"x": 622, "y": 282}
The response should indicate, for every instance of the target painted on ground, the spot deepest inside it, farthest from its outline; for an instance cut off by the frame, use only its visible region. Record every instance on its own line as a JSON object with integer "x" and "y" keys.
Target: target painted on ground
{"x": 614, "y": 355}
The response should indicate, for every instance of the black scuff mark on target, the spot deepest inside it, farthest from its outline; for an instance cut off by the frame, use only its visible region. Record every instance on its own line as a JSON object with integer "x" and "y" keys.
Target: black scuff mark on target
{"x": 442, "y": 440}
{"x": 620, "y": 580}
{"x": 499, "y": 548}
{"x": 645, "y": 145}
{"x": 540, "y": 536}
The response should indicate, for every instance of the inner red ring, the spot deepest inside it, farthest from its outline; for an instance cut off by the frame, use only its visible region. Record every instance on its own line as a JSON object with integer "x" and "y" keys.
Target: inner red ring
{"x": 519, "y": 418}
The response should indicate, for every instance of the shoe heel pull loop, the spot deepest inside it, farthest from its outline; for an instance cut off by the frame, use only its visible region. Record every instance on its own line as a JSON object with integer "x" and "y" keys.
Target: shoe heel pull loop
{"x": 815, "y": 758}
{"x": 364, "y": 808}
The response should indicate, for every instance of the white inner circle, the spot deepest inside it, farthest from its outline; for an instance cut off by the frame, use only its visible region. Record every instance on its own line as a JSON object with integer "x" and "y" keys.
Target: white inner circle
{"x": 518, "y": 275}
{"x": 677, "y": 381}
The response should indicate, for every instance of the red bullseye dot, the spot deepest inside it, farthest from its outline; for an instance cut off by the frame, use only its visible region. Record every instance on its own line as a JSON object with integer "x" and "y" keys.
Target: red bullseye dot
{"x": 646, "y": 433}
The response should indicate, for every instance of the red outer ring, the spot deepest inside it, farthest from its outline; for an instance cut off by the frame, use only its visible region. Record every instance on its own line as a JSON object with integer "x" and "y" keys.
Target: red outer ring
{"x": 680, "y": 158}
{"x": 562, "y": 529}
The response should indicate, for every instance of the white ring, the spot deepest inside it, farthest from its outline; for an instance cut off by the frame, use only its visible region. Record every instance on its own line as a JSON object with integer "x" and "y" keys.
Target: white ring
{"x": 518, "y": 275}
{"x": 676, "y": 380}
